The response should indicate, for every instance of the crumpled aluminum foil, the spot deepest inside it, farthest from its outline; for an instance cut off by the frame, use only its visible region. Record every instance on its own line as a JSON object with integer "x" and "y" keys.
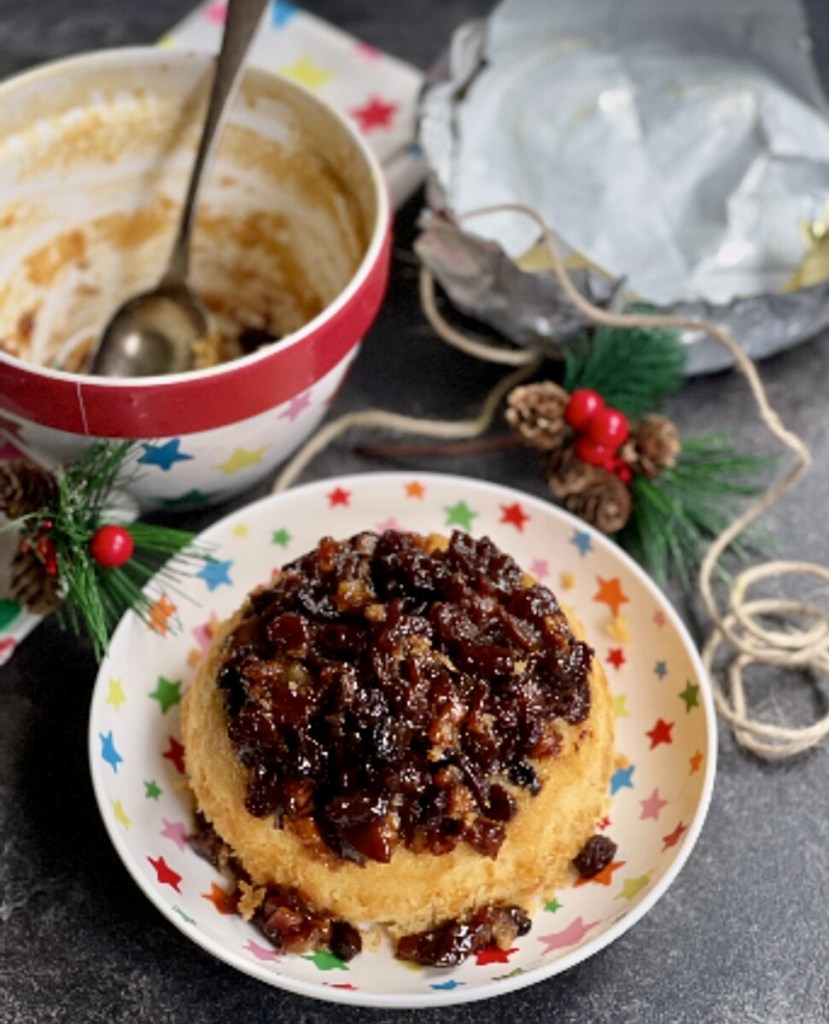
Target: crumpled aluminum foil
{"x": 682, "y": 150}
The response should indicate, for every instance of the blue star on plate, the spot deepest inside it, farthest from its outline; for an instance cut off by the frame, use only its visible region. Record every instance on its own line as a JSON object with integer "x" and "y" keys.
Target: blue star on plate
{"x": 447, "y": 986}
{"x": 163, "y": 455}
{"x": 583, "y": 541}
{"x": 216, "y": 574}
{"x": 108, "y": 751}
{"x": 660, "y": 669}
{"x": 622, "y": 778}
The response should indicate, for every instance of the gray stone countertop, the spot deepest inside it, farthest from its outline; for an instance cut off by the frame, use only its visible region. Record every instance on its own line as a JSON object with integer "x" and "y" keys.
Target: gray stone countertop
{"x": 742, "y": 935}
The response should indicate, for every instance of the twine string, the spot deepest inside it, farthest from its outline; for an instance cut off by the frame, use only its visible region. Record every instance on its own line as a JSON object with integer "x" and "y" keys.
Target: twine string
{"x": 448, "y": 430}
{"x": 750, "y": 626}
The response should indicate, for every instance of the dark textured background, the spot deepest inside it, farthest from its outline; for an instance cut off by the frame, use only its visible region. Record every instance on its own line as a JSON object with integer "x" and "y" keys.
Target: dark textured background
{"x": 742, "y": 935}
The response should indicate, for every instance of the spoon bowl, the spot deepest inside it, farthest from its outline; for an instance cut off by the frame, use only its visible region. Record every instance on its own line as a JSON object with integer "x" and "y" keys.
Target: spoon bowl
{"x": 154, "y": 333}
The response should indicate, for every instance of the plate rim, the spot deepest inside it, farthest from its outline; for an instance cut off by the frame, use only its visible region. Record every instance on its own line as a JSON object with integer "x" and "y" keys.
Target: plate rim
{"x": 459, "y": 995}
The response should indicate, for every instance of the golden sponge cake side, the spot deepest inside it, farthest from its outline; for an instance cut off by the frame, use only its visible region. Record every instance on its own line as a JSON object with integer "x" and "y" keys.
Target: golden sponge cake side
{"x": 414, "y": 890}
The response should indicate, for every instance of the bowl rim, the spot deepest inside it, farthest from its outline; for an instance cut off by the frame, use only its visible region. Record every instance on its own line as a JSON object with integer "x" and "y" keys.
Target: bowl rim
{"x": 26, "y": 388}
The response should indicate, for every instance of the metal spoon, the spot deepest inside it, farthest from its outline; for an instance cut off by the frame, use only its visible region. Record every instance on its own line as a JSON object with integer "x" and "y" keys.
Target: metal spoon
{"x": 154, "y": 332}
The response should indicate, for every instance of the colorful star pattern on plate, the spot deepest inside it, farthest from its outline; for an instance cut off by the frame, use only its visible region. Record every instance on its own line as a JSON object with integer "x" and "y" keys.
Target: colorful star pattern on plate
{"x": 216, "y": 574}
{"x": 167, "y": 693}
{"x": 661, "y": 709}
{"x": 460, "y": 515}
{"x": 515, "y": 515}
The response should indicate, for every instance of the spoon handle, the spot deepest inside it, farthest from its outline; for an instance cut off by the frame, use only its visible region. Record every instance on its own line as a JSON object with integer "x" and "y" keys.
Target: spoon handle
{"x": 241, "y": 24}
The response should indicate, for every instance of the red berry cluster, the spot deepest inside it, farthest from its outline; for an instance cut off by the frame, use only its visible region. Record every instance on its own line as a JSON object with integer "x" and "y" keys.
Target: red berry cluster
{"x": 601, "y": 429}
{"x": 44, "y": 546}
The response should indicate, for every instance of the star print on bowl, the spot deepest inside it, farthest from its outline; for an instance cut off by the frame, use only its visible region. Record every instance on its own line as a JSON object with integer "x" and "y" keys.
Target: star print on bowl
{"x": 665, "y": 733}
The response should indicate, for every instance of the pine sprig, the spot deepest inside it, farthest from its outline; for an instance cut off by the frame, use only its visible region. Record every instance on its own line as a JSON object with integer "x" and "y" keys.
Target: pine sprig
{"x": 96, "y": 596}
{"x": 633, "y": 369}
{"x": 680, "y": 512}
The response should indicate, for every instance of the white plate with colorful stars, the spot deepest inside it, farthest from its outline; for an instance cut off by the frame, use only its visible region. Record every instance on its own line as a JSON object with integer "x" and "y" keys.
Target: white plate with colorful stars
{"x": 665, "y": 731}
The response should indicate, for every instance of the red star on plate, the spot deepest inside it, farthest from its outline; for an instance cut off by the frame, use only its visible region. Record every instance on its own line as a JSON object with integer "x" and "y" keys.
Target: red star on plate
{"x": 342, "y": 984}
{"x": 165, "y": 874}
{"x": 660, "y": 733}
{"x": 673, "y": 837}
{"x": 604, "y": 877}
{"x": 494, "y": 955}
{"x": 604, "y": 823}
{"x": 225, "y": 902}
{"x": 660, "y": 618}
{"x": 514, "y": 515}
{"x": 339, "y": 496}
{"x": 375, "y": 113}
{"x": 616, "y": 657}
{"x": 175, "y": 753}
{"x": 610, "y": 593}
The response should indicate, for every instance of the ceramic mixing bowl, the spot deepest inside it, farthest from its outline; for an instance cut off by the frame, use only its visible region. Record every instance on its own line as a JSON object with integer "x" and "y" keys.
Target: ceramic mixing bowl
{"x": 291, "y": 243}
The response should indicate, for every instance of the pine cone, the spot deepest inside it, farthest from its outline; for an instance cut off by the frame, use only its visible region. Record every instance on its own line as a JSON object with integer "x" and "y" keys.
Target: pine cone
{"x": 536, "y": 413}
{"x": 31, "y": 585}
{"x": 567, "y": 474}
{"x": 25, "y": 487}
{"x": 653, "y": 446}
{"x": 605, "y": 502}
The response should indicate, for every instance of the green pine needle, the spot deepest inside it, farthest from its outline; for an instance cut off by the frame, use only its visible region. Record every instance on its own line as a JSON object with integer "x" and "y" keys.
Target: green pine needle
{"x": 678, "y": 514}
{"x": 633, "y": 369}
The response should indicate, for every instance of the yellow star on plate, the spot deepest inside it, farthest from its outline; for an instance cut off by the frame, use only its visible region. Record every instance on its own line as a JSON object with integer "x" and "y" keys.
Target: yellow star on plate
{"x": 116, "y": 695}
{"x": 631, "y": 886}
{"x": 241, "y": 459}
{"x": 120, "y": 814}
{"x": 617, "y": 629}
{"x": 307, "y": 72}
{"x": 620, "y": 706}
{"x": 241, "y": 530}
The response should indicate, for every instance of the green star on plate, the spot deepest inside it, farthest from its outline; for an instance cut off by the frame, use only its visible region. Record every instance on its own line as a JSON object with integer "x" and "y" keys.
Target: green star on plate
{"x": 183, "y": 915}
{"x": 281, "y": 537}
{"x": 152, "y": 790}
{"x": 167, "y": 693}
{"x": 690, "y": 695}
{"x": 512, "y": 974}
{"x": 460, "y": 514}
{"x": 552, "y": 905}
{"x": 325, "y": 961}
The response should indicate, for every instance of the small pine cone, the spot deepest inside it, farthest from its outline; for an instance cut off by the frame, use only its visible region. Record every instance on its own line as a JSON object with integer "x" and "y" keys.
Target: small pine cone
{"x": 653, "y": 446}
{"x": 567, "y": 474}
{"x": 536, "y": 413}
{"x": 24, "y": 488}
{"x": 605, "y": 502}
{"x": 31, "y": 585}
